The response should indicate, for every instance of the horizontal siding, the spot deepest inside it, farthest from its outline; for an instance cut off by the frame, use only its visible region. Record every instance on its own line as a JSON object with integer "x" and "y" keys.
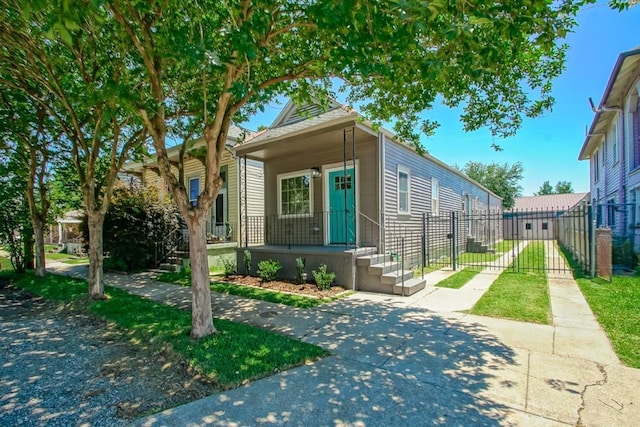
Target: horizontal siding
{"x": 324, "y": 153}
{"x": 453, "y": 189}
{"x": 255, "y": 188}
{"x": 193, "y": 168}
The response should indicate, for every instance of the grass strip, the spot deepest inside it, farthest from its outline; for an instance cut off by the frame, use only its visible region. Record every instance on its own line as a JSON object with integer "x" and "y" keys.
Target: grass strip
{"x": 238, "y": 353}
{"x": 459, "y": 279}
{"x": 471, "y": 257}
{"x": 615, "y": 305}
{"x": 291, "y": 300}
{"x": 506, "y": 245}
{"x": 5, "y": 264}
{"x": 520, "y": 295}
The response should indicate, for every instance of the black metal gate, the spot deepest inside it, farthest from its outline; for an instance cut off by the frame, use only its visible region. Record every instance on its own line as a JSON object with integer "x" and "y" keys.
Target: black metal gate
{"x": 532, "y": 240}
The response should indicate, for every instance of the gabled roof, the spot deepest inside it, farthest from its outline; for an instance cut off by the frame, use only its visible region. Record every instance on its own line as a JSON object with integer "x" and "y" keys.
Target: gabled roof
{"x": 293, "y": 113}
{"x": 293, "y": 120}
{"x": 627, "y": 67}
{"x": 549, "y": 202}
{"x": 235, "y": 135}
{"x": 71, "y": 217}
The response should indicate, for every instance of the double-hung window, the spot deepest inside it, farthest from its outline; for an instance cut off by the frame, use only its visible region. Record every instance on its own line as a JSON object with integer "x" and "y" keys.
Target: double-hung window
{"x": 435, "y": 196}
{"x": 295, "y": 194}
{"x": 194, "y": 190}
{"x": 404, "y": 190}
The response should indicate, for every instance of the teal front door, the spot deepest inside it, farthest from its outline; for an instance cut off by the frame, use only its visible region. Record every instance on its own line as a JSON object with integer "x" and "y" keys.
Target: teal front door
{"x": 342, "y": 206}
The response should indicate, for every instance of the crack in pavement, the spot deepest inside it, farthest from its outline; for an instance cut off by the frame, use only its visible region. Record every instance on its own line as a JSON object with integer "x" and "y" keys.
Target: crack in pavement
{"x": 601, "y": 382}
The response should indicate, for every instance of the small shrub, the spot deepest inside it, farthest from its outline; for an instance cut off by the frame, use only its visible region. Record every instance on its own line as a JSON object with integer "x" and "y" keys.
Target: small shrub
{"x": 268, "y": 270}
{"x": 323, "y": 279}
{"x": 247, "y": 262}
{"x": 300, "y": 262}
{"x": 229, "y": 266}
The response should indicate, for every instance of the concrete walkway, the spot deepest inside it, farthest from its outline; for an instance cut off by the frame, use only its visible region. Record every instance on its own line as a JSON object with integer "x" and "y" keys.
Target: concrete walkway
{"x": 395, "y": 364}
{"x": 449, "y": 300}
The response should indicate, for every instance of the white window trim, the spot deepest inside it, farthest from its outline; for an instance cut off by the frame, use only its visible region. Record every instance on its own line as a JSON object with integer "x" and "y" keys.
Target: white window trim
{"x": 192, "y": 202}
{"x": 295, "y": 174}
{"x": 436, "y": 212}
{"x": 596, "y": 166}
{"x": 404, "y": 170}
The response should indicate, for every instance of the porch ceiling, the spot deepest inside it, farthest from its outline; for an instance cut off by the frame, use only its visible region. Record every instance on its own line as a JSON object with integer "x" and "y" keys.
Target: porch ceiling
{"x": 301, "y": 143}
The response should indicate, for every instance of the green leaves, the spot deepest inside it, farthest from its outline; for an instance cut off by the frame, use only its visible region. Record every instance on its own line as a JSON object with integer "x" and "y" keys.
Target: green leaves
{"x": 502, "y": 179}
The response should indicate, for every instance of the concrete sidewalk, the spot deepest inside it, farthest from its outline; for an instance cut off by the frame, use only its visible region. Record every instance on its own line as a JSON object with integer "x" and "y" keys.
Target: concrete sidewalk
{"x": 396, "y": 364}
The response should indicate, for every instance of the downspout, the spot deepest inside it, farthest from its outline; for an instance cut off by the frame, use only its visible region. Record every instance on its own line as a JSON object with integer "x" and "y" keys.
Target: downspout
{"x": 381, "y": 189}
{"x": 620, "y": 128}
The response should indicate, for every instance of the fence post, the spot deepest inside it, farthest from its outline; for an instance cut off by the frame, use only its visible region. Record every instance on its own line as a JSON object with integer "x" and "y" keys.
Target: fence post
{"x": 592, "y": 241}
{"x": 427, "y": 239}
{"x": 402, "y": 262}
{"x": 424, "y": 244}
{"x": 454, "y": 240}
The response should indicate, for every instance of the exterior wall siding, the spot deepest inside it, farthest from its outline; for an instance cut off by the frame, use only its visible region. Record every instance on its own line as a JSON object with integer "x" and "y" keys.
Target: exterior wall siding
{"x": 193, "y": 168}
{"x": 454, "y": 189}
{"x": 310, "y": 230}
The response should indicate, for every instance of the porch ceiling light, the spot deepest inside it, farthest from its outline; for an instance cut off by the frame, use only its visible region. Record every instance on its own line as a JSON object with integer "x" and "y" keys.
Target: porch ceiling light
{"x": 315, "y": 172}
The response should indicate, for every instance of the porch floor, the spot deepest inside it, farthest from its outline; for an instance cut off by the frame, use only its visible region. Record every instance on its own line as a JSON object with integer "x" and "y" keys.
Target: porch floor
{"x": 306, "y": 249}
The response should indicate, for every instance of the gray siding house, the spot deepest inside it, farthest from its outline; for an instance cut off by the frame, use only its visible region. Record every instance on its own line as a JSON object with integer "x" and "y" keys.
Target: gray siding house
{"x": 338, "y": 192}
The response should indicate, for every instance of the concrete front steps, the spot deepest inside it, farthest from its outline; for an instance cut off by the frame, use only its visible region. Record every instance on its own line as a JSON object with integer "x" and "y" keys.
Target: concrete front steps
{"x": 476, "y": 246}
{"x": 175, "y": 262}
{"x": 376, "y": 273}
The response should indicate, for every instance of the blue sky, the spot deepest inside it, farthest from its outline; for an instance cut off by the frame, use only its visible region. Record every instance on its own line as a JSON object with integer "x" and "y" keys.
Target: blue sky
{"x": 547, "y": 146}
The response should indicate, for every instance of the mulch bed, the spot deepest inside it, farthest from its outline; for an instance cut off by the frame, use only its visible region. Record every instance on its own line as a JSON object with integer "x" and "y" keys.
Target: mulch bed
{"x": 306, "y": 289}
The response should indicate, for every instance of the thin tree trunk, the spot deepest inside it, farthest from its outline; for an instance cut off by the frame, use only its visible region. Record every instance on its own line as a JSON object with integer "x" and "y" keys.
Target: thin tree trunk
{"x": 38, "y": 229}
{"x": 27, "y": 245}
{"x": 96, "y": 283}
{"x": 202, "y": 318}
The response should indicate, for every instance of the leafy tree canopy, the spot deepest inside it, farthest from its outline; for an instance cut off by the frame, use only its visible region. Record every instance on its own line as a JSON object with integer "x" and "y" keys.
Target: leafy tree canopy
{"x": 562, "y": 187}
{"x": 502, "y": 179}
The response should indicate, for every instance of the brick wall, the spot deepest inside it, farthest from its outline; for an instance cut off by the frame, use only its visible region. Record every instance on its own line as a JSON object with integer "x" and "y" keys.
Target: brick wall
{"x": 603, "y": 253}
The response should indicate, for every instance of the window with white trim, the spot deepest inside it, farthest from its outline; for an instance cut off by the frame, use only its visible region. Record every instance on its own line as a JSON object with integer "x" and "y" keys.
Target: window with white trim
{"x": 435, "y": 196}
{"x": 295, "y": 194}
{"x": 404, "y": 191}
{"x": 194, "y": 190}
{"x": 596, "y": 166}
{"x": 612, "y": 208}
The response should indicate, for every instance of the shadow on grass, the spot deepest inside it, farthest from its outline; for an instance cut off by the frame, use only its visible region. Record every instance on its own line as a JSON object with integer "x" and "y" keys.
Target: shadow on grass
{"x": 391, "y": 365}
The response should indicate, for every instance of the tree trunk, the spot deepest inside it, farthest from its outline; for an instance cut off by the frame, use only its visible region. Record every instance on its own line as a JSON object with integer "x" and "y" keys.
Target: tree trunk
{"x": 202, "y": 318}
{"x": 38, "y": 229}
{"x": 27, "y": 244}
{"x": 96, "y": 283}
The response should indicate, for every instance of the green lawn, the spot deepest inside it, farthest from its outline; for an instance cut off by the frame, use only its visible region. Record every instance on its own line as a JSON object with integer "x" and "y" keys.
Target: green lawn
{"x": 459, "y": 279}
{"x": 184, "y": 279}
{"x": 66, "y": 258}
{"x": 5, "y": 264}
{"x": 236, "y": 354}
{"x": 471, "y": 257}
{"x": 519, "y": 295}
{"x": 615, "y": 304}
{"x": 506, "y": 245}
